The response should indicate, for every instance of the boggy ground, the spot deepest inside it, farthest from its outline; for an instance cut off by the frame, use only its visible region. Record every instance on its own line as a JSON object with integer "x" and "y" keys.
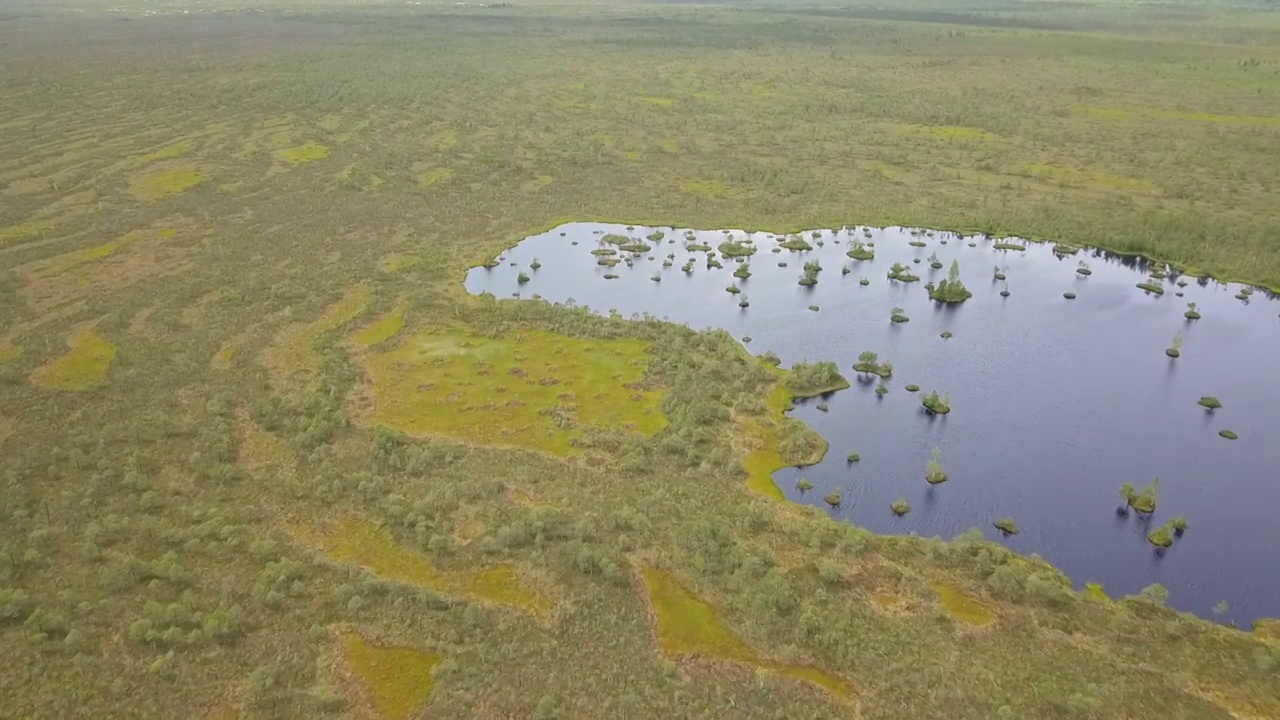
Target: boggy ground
{"x": 224, "y": 236}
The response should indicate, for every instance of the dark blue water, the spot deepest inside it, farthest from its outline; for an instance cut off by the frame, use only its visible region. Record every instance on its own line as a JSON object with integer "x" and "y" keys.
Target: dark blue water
{"x": 1055, "y": 402}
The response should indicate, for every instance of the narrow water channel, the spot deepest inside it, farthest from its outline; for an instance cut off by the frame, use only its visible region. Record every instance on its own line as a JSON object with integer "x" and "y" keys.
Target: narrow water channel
{"x": 1055, "y": 402}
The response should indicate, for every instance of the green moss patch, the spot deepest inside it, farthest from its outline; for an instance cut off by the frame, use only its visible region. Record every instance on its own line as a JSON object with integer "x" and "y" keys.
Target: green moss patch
{"x": 382, "y": 329}
{"x": 398, "y": 680}
{"x": 1151, "y": 288}
{"x": 83, "y": 366}
{"x": 374, "y": 549}
{"x": 163, "y": 183}
{"x": 961, "y": 607}
{"x": 303, "y": 153}
{"x": 688, "y": 626}
{"x": 533, "y": 390}
{"x": 1094, "y": 591}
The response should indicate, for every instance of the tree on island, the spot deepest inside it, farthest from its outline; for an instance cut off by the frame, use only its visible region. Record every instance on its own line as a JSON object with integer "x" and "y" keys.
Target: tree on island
{"x": 869, "y": 364}
{"x": 951, "y": 290}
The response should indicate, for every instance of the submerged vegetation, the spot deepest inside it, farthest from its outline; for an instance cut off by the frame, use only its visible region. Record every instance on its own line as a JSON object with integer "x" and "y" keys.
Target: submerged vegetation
{"x": 897, "y": 315}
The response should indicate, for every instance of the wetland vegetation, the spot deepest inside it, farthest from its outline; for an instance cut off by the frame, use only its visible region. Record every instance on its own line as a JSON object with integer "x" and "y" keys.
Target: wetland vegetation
{"x": 262, "y": 456}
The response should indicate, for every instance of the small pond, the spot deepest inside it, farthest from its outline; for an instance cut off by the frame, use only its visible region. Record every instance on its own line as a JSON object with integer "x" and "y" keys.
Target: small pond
{"x": 1055, "y": 402}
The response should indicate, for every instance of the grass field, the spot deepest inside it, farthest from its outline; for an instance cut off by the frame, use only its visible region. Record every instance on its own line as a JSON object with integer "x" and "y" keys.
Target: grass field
{"x": 261, "y": 455}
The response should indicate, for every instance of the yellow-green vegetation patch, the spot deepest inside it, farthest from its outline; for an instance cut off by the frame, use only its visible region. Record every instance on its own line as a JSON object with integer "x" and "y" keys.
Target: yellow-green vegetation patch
{"x": 1218, "y": 119}
{"x": 534, "y": 390}
{"x": 669, "y": 146}
{"x": 961, "y": 607}
{"x": 763, "y": 460}
{"x": 303, "y": 153}
{"x": 161, "y": 184}
{"x": 1239, "y": 702}
{"x": 107, "y": 249}
{"x": 396, "y": 263}
{"x": 398, "y": 680}
{"x": 689, "y": 626}
{"x": 433, "y": 176}
{"x": 537, "y": 183}
{"x": 167, "y": 153}
{"x": 659, "y": 101}
{"x": 8, "y": 350}
{"x": 83, "y": 366}
{"x": 1267, "y": 629}
{"x": 885, "y": 601}
{"x": 1084, "y": 178}
{"x": 23, "y": 231}
{"x": 1094, "y": 590}
{"x": 382, "y": 329}
{"x": 223, "y": 358}
{"x": 444, "y": 139}
{"x": 293, "y": 352}
{"x": 891, "y": 172}
{"x": 708, "y": 189}
{"x": 951, "y": 132}
{"x": 373, "y": 548}
{"x": 1108, "y": 113}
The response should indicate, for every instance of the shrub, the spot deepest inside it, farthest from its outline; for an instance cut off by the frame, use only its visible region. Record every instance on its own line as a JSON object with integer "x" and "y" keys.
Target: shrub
{"x": 937, "y": 405}
{"x": 522, "y": 278}
{"x": 1006, "y": 526}
{"x": 900, "y": 507}
{"x": 808, "y": 379}
{"x": 1161, "y": 537}
{"x": 1209, "y": 402}
{"x": 852, "y": 457}
{"x": 1143, "y": 499}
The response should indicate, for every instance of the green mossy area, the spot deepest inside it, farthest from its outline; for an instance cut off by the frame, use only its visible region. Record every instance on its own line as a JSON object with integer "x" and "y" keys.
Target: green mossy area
{"x": 265, "y": 468}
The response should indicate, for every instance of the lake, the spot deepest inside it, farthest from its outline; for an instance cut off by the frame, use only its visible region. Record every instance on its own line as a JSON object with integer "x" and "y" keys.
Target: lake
{"x": 1055, "y": 402}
